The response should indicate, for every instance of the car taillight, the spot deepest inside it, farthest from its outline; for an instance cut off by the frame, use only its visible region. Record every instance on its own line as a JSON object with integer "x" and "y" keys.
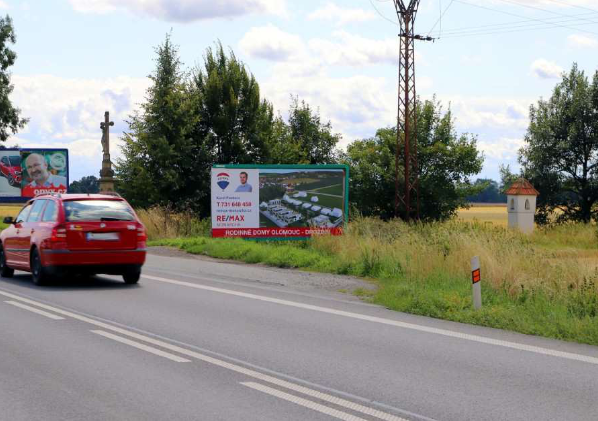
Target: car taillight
{"x": 58, "y": 234}
{"x": 141, "y": 235}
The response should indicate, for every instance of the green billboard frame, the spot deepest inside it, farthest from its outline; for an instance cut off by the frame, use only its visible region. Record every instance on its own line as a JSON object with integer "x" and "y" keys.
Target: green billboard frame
{"x": 296, "y": 167}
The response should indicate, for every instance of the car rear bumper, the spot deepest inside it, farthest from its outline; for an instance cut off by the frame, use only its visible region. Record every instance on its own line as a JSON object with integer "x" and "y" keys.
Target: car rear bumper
{"x": 65, "y": 257}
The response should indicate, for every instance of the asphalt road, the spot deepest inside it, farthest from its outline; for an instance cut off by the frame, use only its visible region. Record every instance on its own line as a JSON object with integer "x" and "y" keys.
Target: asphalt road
{"x": 204, "y": 340}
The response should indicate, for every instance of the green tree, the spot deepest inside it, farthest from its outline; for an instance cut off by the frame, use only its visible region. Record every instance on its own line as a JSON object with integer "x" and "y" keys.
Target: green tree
{"x": 490, "y": 193}
{"x": 235, "y": 123}
{"x": 446, "y": 161}
{"x": 283, "y": 149}
{"x": 305, "y": 139}
{"x": 10, "y": 120}
{"x": 560, "y": 155}
{"x": 88, "y": 184}
{"x": 316, "y": 140}
{"x": 160, "y": 164}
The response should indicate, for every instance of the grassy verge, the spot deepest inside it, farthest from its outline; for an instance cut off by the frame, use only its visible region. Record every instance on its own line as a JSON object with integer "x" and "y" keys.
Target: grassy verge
{"x": 544, "y": 284}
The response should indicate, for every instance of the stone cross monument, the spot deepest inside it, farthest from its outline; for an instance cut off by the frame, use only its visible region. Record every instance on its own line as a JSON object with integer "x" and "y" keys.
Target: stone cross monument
{"x": 106, "y": 173}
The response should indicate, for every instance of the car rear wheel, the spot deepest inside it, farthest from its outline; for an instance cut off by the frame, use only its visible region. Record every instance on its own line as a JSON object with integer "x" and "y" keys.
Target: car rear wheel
{"x": 39, "y": 272}
{"x": 132, "y": 277}
{"x": 5, "y": 271}
{"x": 11, "y": 180}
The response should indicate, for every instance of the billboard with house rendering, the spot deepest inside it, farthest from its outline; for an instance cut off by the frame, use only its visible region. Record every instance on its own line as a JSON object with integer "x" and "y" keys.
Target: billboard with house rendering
{"x": 279, "y": 201}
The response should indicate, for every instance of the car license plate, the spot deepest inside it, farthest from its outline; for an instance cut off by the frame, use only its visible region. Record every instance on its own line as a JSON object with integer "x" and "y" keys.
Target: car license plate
{"x": 102, "y": 236}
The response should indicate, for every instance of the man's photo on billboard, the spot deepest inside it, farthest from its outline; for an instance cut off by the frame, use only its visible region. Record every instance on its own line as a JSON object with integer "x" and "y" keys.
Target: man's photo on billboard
{"x": 244, "y": 187}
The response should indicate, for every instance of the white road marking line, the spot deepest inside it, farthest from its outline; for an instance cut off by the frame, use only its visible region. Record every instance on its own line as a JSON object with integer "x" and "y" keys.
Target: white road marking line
{"x": 143, "y": 347}
{"x": 35, "y": 310}
{"x": 303, "y": 402}
{"x": 421, "y": 328}
{"x": 220, "y": 363}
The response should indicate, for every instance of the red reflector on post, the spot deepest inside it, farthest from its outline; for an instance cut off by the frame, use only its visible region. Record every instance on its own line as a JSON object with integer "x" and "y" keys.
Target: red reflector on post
{"x": 476, "y": 276}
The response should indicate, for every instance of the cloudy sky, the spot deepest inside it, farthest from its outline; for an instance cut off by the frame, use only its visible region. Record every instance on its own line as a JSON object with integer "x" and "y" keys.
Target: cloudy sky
{"x": 492, "y": 59}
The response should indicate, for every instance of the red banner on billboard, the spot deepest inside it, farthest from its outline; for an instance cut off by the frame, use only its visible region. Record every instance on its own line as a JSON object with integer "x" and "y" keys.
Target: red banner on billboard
{"x": 274, "y": 232}
{"x": 32, "y": 191}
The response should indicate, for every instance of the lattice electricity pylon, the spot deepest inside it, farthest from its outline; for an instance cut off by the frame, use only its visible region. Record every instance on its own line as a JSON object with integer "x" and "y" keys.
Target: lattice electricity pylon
{"x": 406, "y": 117}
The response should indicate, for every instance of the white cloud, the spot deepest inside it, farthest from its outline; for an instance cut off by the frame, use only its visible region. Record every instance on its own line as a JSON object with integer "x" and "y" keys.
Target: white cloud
{"x": 502, "y": 149}
{"x": 354, "y": 50}
{"x": 483, "y": 113}
{"x": 342, "y": 16}
{"x": 271, "y": 43}
{"x": 345, "y": 49}
{"x": 3, "y": 5}
{"x": 545, "y": 69}
{"x": 355, "y": 105}
{"x": 183, "y": 10}
{"x": 66, "y": 113}
{"x": 582, "y": 41}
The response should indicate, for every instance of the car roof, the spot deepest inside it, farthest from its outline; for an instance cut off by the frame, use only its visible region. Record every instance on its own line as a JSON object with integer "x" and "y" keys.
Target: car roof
{"x": 80, "y": 196}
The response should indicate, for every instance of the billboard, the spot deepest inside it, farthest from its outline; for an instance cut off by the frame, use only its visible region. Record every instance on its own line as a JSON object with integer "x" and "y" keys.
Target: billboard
{"x": 26, "y": 173}
{"x": 279, "y": 201}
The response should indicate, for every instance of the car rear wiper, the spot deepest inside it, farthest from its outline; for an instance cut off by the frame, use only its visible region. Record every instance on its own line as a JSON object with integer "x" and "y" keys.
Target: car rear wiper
{"x": 107, "y": 218}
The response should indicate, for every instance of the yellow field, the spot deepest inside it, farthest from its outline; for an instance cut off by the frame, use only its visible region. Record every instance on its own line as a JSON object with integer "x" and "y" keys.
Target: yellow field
{"x": 9, "y": 210}
{"x": 494, "y": 214}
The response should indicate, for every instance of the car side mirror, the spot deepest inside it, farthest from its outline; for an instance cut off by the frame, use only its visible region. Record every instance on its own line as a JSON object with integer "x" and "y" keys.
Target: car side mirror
{"x": 8, "y": 220}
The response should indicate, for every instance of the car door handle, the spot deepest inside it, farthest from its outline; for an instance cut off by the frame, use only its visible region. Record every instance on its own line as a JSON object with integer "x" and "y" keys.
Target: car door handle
{"x": 32, "y": 231}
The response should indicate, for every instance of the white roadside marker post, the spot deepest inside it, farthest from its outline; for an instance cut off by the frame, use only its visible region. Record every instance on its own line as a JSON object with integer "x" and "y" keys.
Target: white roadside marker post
{"x": 476, "y": 279}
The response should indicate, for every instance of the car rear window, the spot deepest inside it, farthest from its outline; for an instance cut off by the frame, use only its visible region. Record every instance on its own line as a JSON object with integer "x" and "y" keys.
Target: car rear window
{"x": 15, "y": 161}
{"x": 97, "y": 210}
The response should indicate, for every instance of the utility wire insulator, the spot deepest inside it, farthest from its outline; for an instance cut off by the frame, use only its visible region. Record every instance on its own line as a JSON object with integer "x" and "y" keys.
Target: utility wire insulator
{"x": 417, "y": 37}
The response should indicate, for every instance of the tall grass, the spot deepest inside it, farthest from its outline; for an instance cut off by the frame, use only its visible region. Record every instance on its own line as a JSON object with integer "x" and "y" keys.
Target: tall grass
{"x": 553, "y": 259}
{"x": 162, "y": 223}
{"x": 545, "y": 283}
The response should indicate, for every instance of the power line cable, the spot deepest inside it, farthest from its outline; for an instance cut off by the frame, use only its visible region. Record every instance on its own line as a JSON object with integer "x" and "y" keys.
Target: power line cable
{"x": 382, "y": 16}
{"x": 515, "y": 25}
{"x": 440, "y": 18}
{"x": 542, "y": 10}
{"x": 500, "y": 32}
{"x": 573, "y": 19}
{"x": 523, "y": 17}
{"x": 573, "y": 5}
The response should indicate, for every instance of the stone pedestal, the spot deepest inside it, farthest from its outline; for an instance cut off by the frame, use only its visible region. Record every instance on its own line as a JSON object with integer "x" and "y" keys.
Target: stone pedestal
{"x": 106, "y": 176}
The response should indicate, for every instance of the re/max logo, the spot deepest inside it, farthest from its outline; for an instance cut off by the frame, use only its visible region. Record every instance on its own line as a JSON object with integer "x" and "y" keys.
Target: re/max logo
{"x": 230, "y": 218}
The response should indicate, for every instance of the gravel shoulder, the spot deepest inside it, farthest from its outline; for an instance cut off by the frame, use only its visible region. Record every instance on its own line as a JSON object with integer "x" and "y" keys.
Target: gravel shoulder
{"x": 262, "y": 274}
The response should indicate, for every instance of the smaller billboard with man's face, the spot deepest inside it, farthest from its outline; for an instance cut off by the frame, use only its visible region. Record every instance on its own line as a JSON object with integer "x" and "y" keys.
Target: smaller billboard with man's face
{"x": 44, "y": 171}
{"x": 26, "y": 173}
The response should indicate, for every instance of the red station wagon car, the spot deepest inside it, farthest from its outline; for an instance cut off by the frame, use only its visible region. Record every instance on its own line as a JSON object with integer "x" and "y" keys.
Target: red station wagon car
{"x": 10, "y": 168}
{"x": 81, "y": 233}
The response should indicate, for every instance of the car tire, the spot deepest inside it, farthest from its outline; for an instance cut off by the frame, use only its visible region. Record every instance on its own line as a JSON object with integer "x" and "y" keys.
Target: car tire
{"x": 132, "y": 277}
{"x": 5, "y": 271}
{"x": 38, "y": 271}
{"x": 11, "y": 180}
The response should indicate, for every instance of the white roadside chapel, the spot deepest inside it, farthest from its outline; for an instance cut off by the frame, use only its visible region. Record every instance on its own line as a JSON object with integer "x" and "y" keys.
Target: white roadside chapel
{"x": 521, "y": 205}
